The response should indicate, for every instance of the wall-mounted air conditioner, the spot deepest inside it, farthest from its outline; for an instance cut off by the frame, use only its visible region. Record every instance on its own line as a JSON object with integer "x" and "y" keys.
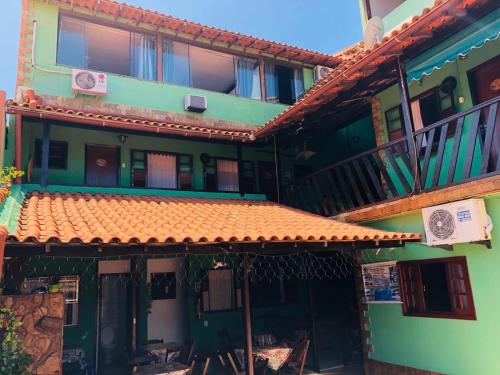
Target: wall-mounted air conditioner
{"x": 89, "y": 83}
{"x": 321, "y": 72}
{"x": 195, "y": 103}
{"x": 458, "y": 222}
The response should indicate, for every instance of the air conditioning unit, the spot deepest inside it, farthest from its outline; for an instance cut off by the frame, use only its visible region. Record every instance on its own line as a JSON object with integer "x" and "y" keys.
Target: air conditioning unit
{"x": 321, "y": 72}
{"x": 458, "y": 222}
{"x": 89, "y": 83}
{"x": 195, "y": 103}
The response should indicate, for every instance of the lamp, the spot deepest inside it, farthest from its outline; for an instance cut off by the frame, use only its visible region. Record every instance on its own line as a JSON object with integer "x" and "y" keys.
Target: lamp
{"x": 122, "y": 138}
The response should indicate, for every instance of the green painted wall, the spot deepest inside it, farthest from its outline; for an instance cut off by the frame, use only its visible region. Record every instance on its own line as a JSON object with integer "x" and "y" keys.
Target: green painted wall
{"x": 78, "y": 137}
{"x": 449, "y": 346}
{"x": 398, "y": 15}
{"x": 136, "y": 92}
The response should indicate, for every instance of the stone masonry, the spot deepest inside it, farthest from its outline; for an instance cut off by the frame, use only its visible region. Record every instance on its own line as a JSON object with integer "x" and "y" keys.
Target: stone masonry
{"x": 42, "y": 330}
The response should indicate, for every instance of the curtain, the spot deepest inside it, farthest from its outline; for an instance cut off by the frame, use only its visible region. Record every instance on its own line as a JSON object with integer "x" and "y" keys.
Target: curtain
{"x": 227, "y": 175}
{"x": 143, "y": 56}
{"x": 248, "y": 78}
{"x": 298, "y": 84}
{"x": 72, "y": 43}
{"x": 220, "y": 290}
{"x": 176, "y": 65}
{"x": 162, "y": 171}
{"x": 271, "y": 79}
{"x": 418, "y": 123}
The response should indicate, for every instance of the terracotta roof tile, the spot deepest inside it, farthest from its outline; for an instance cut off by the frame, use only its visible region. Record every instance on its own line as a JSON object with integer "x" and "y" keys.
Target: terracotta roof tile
{"x": 85, "y": 218}
{"x": 358, "y": 62}
{"x": 126, "y": 122}
{"x": 198, "y": 31}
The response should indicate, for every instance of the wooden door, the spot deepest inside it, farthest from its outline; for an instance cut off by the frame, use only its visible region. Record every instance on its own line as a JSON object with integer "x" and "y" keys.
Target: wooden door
{"x": 267, "y": 179}
{"x": 101, "y": 165}
{"x": 485, "y": 85}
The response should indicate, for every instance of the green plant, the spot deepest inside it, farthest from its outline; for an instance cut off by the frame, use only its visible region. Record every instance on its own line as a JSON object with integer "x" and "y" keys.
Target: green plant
{"x": 8, "y": 174}
{"x": 13, "y": 360}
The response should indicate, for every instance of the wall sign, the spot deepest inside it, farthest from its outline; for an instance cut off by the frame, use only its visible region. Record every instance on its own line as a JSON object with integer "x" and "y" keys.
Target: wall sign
{"x": 381, "y": 282}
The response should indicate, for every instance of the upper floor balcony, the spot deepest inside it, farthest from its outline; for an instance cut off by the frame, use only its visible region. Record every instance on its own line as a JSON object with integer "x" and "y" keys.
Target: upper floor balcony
{"x": 458, "y": 149}
{"x": 153, "y": 62}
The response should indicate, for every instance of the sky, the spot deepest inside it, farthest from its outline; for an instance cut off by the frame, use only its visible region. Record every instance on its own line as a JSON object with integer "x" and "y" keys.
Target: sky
{"x": 320, "y": 25}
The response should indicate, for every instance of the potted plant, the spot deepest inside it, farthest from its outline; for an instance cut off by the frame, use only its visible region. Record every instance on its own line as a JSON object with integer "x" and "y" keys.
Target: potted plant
{"x": 54, "y": 286}
{"x": 9, "y": 174}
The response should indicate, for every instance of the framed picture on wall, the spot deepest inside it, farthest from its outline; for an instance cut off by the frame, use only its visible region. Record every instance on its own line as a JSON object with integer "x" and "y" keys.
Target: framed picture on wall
{"x": 381, "y": 282}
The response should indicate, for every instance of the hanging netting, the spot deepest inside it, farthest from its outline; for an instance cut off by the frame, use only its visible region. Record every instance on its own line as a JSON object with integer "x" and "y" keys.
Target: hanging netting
{"x": 189, "y": 268}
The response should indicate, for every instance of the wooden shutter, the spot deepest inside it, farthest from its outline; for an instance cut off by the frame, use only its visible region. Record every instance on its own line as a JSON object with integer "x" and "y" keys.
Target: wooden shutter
{"x": 409, "y": 274}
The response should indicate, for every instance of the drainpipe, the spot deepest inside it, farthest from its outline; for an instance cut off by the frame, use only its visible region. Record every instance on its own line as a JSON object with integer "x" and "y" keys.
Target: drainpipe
{"x": 3, "y": 237}
{"x": 408, "y": 124}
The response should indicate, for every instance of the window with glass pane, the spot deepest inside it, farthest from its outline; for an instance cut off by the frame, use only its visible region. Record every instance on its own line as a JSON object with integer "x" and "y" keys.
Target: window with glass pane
{"x": 138, "y": 168}
{"x": 248, "y": 78}
{"x": 283, "y": 84}
{"x": 58, "y": 154}
{"x": 212, "y": 70}
{"x": 227, "y": 175}
{"x": 437, "y": 288}
{"x": 88, "y": 45}
{"x": 176, "y": 69}
{"x": 185, "y": 171}
{"x": 218, "y": 290}
{"x": 210, "y": 175}
{"x": 248, "y": 177}
{"x": 394, "y": 123}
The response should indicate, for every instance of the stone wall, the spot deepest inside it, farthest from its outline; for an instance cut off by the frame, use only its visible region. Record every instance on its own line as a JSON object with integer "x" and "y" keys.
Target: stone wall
{"x": 42, "y": 330}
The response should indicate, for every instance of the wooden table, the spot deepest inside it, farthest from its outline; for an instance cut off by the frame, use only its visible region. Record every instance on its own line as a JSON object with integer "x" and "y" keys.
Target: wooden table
{"x": 165, "y": 368}
{"x": 276, "y": 355}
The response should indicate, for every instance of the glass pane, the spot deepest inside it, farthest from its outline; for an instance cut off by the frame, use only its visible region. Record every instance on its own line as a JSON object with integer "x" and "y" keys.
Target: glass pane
{"x": 144, "y": 56}
{"x": 248, "y": 75}
{"x": 271, "y": 79}
{"x": 227, "y": 175}
{"x": 108, "y": 49}
{"x": 176, "y": 68}
{"x": 435, "y": 284}
{"x": 211, "y": 70}
{"x": 72, "y": 44}
{"x": 298, "y": 84}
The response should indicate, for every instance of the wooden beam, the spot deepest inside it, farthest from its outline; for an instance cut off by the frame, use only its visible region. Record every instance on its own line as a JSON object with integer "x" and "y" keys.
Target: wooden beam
{"x": 44, "y": 174}
{"x": 3, "y": 236}
{"x": 18, "y": 144}
{"x": 247, "y": 315}
{"x": 2, "y": 125}
{"x": 262, "y": 72}
{"x": 239, "y": 158}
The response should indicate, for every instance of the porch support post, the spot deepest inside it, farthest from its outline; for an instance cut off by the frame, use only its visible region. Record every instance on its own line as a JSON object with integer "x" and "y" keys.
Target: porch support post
{"x": 2, "y": 126}
{"x": 3, "y": 237}
{"x": 44, "y": 175}
{"x": 134, "y": 302}
{"x": 239, "y": 153}
{"x": 408, "y": 123}
{"x": 18, "y": 144}
{"x": 277, "y": 161}
{"x": 247, "y": 316}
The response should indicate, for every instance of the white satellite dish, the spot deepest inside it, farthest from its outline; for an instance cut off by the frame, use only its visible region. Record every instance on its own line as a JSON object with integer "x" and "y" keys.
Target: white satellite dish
{"x": 374, "y": 32}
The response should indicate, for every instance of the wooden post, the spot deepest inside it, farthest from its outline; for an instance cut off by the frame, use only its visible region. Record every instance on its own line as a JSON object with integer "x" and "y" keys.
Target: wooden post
{"x": 312, "y": 316}
{"x": 2, "y": 126}
{"x": 277, "y": 161}
{"x": 3, "y": 237}
{"x": 18, "y": 144}
{"x": 408, "y": 123}
{"x": 262, "y": 73}
{"x": 134, "y": 302}
{"x": 44, "y": 175}
{"x": 239, "y": 153}
{"x": 247, "y": 316}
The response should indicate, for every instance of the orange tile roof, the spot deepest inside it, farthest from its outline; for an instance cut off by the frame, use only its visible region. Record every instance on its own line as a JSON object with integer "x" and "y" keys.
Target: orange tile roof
{"x": 85, "y": 218}
{"x": 359, "y": 63}
{"x": 126, "y": 122}
{"x": 198, "y": 31}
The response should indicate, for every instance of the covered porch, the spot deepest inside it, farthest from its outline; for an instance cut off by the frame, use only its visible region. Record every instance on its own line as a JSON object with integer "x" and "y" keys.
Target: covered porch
{"x": 234, "y": 269}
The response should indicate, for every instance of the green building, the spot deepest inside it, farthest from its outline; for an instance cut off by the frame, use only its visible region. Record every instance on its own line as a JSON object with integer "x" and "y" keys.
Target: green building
{"x": 165, "y": 162}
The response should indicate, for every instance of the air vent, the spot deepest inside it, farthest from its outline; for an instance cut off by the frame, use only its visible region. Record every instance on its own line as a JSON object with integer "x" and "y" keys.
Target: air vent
{"x": 195, "y": 103}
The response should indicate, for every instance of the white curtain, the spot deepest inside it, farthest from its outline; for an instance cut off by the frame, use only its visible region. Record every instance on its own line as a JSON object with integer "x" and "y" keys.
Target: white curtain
{"x": 220, "y": 289}
{"x": 162, "y": 171}
{"x": 227, "y": 175}
{"x": 418, "y": 123}
{"x": 144, "y": 56}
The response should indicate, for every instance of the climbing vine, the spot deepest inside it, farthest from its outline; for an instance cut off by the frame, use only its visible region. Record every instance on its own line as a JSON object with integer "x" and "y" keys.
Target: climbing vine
{"x": 13, "y": 360}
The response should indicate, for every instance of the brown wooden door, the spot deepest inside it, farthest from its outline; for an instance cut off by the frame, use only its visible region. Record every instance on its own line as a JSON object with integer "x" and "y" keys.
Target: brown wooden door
{"x": 101, "y": 165}
{"x": 267, "y": 179}
{"x": 485, "y": 85}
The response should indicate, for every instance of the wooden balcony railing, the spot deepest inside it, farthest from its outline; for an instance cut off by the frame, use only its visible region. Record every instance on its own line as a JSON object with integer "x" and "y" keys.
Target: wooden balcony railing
{"x": 460, "y": 148}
